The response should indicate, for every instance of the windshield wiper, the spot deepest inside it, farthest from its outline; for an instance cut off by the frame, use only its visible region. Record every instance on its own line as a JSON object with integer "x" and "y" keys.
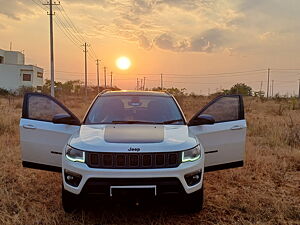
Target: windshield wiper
{"x": 132, "y": 122}
{"x": 172, "y": 121}
{"x": 144, "y": 122}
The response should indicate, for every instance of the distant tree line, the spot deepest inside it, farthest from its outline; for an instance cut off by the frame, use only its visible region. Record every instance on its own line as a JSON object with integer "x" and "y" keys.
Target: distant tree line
{"x": 239, "y": 88}
{"x": 72, "y": 87}
{"x": 76, "y": 87}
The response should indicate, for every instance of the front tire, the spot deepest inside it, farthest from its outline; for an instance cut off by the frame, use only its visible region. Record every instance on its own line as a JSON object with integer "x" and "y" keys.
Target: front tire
{"x": 70, "y": 201}
{"x": 193, "y": 202}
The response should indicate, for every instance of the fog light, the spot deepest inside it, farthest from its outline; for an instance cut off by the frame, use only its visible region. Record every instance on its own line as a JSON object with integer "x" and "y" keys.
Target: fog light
{"x": 72, "y": 178}
{"x": 193, "y": 178}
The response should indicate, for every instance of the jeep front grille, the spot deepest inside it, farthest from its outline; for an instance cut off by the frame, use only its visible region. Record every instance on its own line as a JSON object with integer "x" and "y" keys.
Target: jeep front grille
{"x": 133, "y": 160}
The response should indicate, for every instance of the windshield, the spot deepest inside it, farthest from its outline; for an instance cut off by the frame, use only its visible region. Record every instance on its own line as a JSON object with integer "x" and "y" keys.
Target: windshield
{"x": 134, "y": 110}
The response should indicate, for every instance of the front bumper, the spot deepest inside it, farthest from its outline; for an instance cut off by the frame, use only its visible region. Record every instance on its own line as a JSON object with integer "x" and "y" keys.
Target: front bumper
{"x": 167, "y": 180}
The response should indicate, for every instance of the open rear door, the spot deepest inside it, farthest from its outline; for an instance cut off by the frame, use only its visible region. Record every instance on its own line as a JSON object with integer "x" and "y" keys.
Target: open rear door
{"x": 42, "y": 141}
{"x": 223, "y": 141}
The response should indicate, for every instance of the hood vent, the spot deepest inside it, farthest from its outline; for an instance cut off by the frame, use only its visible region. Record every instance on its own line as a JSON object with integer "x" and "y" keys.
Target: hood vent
{"x": 134, "y": 133}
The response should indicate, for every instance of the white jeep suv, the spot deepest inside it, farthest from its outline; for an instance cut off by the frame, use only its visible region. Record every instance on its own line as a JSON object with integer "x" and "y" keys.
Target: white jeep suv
{"x": 132, "y": 143}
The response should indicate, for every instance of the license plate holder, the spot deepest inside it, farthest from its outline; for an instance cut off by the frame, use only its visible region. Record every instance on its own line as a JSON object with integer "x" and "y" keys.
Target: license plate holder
{"x": 135, "y": 188}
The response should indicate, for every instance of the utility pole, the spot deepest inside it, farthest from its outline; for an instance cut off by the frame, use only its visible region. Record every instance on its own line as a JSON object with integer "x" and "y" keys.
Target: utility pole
{"x": 98, "y": 80}
{"x": 299, "y": 90}
{"x": 111, "y": 79}
{"x": 10, "y": 46}
{"x": 268, "y": 83}
{"x": 85, "y": 68}
{"x": 272, "y": 88}
{"x": 104, "y": 76}
{"x": 50, "y": 3}
{"x": 140, "y": 84}
{"x": 137, "y": 83}
{"x": 144, "y": 83}
{"x": 161, "y": 81}
{"x": 104, "y": 68}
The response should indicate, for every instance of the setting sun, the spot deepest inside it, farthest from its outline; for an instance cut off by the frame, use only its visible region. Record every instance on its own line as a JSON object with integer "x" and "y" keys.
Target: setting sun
{"x": 123, "y": 63}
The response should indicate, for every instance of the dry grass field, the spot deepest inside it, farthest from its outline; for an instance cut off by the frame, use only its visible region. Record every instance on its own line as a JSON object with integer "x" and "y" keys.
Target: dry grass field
{"x": 265, "y": 191}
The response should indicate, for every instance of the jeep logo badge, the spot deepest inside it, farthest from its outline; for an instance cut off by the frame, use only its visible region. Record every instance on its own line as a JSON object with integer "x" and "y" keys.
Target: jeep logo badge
{"x": 134, "y": 149}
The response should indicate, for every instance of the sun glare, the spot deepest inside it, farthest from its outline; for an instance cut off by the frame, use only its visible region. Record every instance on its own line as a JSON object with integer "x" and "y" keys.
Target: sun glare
{"x": 123, "y": 63}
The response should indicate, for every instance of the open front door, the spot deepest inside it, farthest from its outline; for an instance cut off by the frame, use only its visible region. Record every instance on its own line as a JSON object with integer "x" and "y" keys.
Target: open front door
{"x": 42, "y": 140}
{"x": 224, "y": 140}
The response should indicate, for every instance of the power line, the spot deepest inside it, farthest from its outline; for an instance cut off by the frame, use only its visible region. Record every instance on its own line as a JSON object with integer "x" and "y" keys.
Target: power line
{"x": 66, "y": 32}
{"x": 91, "y": 57}
{"x": 40, "y": 6}
{"x": 75, "y": 31}
{"x": 285, "y": 69}
{"x": 68, "y": 28}
{"x": 67, "y": 25}
{"x": 205, "y": 74}
{"x": 69, "y": 72}
{"x": 58, "y": 22}
{"x": 183, "y": 75}
{"x": 72, "y": 24}
{"x": 219, "y": 76}
{"x": 95, "y": 55}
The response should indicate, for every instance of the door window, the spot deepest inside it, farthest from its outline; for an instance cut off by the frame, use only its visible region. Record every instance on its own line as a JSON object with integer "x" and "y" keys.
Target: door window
{"x": 225, "y": 108}
{"x": 40, "y": 107}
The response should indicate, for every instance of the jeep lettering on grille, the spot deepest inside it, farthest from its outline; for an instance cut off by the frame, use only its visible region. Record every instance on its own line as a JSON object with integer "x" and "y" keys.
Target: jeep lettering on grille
{"x": 134, "y": 149}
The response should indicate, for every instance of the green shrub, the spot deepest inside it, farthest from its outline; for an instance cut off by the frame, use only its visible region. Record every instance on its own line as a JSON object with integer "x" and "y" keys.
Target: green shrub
{"x": 4, "y": 92}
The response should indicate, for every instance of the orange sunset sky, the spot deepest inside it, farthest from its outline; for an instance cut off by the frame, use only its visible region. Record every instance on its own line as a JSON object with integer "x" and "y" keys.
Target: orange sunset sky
{"x": 196, "y": 44}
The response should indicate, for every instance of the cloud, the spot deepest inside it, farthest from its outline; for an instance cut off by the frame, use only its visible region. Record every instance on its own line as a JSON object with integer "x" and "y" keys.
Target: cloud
{"x": 212, "y": 39}
{"x": 2, "y": 26}
{"x": 168, "y": 42}
{"x": 14, "y": 9}
{"x": 207, "y": 41}
{"x": 267, "y": 36}
{"x": 186, "y": 4}
{"x": 145, "y": 42}
{"x": 178, "y": 25}
{"x": 167, "y": 24}
{"x": 274, "y": 15}
{"x": 201, "y": 44}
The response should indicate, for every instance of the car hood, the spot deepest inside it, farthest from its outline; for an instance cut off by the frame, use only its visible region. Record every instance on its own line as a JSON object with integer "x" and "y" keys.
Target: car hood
{"x": 132, "y": 137}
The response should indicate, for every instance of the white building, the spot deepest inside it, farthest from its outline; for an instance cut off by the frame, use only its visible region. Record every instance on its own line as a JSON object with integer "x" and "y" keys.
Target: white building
{"x": 15, "y": 74}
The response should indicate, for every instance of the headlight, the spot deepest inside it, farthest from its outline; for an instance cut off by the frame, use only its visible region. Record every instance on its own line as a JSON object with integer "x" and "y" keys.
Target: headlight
{"x": 191, "y": 154}
{"x": 75, "y": 155}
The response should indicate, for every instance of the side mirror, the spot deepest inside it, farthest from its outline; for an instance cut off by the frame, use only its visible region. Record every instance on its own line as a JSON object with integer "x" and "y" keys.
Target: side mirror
{"x": 65, "y": 119}
{"x": 202, "y": 120}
